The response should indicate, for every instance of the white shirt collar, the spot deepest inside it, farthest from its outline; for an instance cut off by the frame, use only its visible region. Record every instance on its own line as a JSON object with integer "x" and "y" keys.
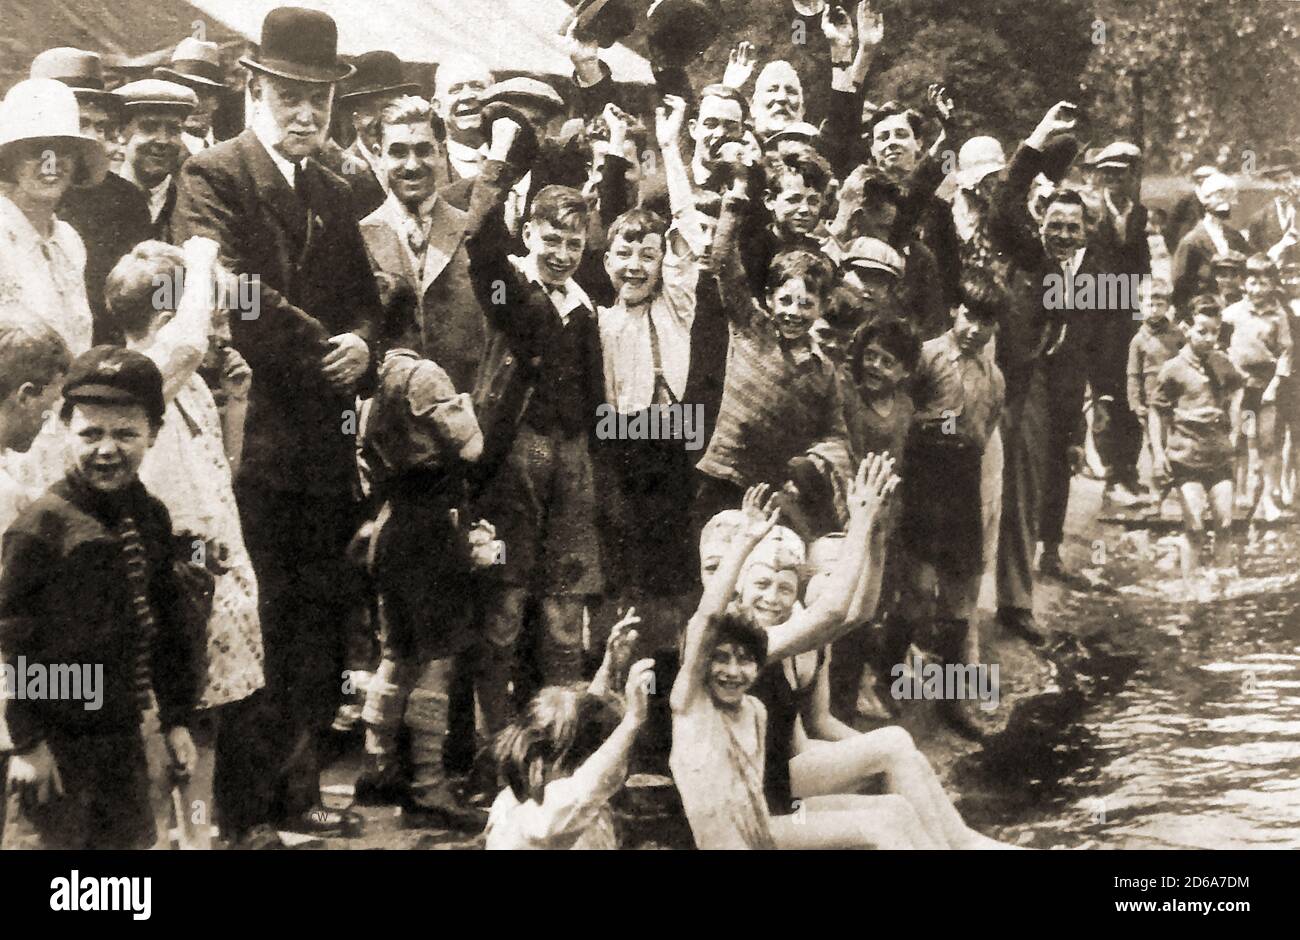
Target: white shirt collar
{"x": 157, "y": 194}
{"x": 263, "y": 134}
{"x": 467, "y": 160}
{"x": 565, "y": 299}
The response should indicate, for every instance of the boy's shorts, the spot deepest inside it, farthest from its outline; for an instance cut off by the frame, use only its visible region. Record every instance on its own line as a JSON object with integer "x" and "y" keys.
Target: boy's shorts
{"x": 1208, "y": 477}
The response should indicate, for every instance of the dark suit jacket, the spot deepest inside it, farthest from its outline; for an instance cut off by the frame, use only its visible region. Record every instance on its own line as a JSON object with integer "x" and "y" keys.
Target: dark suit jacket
{"x": 161, "y": 228}
{"x": 1034, "y": 335}
{"x": 313, "y": 281}
{"x": 451, "y": 321}
{"x": 1265, "y": 231}
{"x": 1191, "y": 269}
{"x": 111, "y": 218}
{"x": 368, "y": 193}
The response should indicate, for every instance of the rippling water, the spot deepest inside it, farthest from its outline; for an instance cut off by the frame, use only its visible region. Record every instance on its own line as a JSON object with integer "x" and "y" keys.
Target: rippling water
{"x": 1175, "y": 725}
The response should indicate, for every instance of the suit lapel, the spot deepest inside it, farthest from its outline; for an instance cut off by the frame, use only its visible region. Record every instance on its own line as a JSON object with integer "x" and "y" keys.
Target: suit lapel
{"x": 445, "y": 235}
{"x": 383, "y": 235}
{"x": 272, "y": 188}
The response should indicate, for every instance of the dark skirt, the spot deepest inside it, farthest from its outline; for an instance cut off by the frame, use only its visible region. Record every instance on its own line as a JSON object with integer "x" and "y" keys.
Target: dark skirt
{"x": 942, "y": 522}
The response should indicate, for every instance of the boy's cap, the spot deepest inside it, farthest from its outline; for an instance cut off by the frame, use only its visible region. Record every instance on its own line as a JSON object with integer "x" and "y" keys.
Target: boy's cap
{"x": 800, "y": 131}
{"x": 1232, "y": 261}
{"x": 113, "y": 375}
{"x": 780, "y": 550}
{"x": 875, "y": 255}
{"x": 1121, "y": 154}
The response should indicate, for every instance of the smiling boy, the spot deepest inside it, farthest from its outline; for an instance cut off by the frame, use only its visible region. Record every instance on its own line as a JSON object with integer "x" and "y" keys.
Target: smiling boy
{"x": 88, "y": 577}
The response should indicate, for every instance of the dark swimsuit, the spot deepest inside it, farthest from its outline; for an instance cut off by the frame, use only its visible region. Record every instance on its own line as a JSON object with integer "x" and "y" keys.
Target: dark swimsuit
{"x": 783, "y": 706}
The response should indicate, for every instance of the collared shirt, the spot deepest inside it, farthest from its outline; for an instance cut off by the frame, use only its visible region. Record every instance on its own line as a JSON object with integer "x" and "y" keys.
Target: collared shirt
{"x": 625, "y": 337}
{"x": 564, "y": 299}
{"x": 1148, "y": 351}
{"x": 44, "y": 278}
{"x": 951, "y": 384}
{"x": 415, "y": 231}
{"x": 1119, "y": 215}
{"x": 1196, "y": 393}
{"x": 286, "y": 167}
{"x": 1261, "y": 343}
{"x": 466, "y": 161}
{"x": 157, "y": 194}
{"x": 196, "y": 144}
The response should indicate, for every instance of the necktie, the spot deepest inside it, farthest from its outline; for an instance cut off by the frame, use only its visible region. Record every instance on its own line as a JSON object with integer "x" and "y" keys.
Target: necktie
{"x": 137, "y": 579}
{"x": 300, "y": 182}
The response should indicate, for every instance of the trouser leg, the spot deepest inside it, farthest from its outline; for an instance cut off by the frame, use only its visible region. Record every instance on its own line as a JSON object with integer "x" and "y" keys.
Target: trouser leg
{"x": 498, "y": 655}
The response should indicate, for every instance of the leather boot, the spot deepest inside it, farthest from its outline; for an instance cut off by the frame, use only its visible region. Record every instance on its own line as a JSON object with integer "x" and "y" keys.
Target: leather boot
{"x": 950, "y": 641}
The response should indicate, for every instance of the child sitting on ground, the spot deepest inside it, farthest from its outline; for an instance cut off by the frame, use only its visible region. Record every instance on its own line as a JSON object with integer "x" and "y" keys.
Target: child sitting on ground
{"x": 562, "y": 761}
{"x": 959, "y": 392}
{"x": 1194, "y": 423}
{"x": 1155, "y": 343}
{"x": 1261, "y": 348}
{"x": 89, "y": 577}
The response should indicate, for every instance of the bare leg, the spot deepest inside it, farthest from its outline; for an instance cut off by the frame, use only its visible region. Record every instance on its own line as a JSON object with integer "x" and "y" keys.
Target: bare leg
{"x": 852, "y": 822}
{"x": 1221, "y": 500}
{"x": 838, "y": 768}
{"x": 1192, "y": 496}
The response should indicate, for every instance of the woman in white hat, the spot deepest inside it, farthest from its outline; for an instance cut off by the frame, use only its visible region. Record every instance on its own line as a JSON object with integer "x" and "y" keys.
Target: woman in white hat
{"x": 42, "y": 260}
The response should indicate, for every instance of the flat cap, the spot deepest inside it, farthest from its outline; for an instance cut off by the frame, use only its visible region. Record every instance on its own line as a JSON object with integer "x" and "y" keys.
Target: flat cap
{"x": 1121, "y": 154}
{"x": 114, "y": 375}
{"x": 874, "y": 254}
{"x": 157, "y": 93}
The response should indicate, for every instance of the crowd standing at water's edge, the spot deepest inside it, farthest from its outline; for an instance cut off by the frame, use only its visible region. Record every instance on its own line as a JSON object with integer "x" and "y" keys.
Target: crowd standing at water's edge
{"x": 571, "y": 453}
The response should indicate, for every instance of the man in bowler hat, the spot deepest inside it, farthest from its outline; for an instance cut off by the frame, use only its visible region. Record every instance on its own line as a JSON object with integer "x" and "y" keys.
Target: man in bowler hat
{"x": 289, "y": 226}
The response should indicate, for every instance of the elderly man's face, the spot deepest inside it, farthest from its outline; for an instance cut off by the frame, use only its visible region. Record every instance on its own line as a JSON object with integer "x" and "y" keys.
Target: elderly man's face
{"x": 778, "y": 99}
{"x": 720, "y": 120}
{"x": 300, "y": 110}
{"x": 409, "y": 155}
{"x": 459, "y": 93}
{"x": 153, "y": 143}
{"x": 894, "y": 146}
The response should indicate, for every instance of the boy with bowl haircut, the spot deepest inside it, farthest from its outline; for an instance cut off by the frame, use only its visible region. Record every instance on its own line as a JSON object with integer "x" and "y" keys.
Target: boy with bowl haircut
{"x": 88, "y": 577}
{"x": 1194, "y": 423}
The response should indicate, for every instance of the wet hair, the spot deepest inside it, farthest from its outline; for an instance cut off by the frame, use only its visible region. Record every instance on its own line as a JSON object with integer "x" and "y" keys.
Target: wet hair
{"x": 30, "y": 352}
{"x": 1261, "y": 265}
{"x": 801, "y": 161}
{"x": 636, "y": 224}
{"x": 737, "y": 626}
{"x": 982, "y": 296}
{"x": 561, "y": 728}
{"x": 153, "y": 271}
{"x": 892, "y": 109}
{"x": 398, "y": 299}
{"x": 892, "y": 334}
{"x": 561, "y": 206}
{"x": 813, "y": 267}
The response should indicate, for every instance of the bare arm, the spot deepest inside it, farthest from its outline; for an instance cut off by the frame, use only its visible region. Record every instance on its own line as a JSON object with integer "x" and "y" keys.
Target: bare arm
{"x": 817, "y": 718}
{"x": 717, "y": 595}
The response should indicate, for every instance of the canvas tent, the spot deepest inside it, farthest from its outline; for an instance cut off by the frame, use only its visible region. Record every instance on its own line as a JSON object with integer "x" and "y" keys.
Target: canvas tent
{"x": 510, "y": 35}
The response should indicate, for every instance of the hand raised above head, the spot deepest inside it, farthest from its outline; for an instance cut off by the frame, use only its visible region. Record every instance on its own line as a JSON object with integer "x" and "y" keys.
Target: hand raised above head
{"x": 871, "y": 26}
{"x": 762, "y": 508}
{"x": 669, "y": 118}
{"x": 740, "y": 65}
{"x": 837, "y": 27}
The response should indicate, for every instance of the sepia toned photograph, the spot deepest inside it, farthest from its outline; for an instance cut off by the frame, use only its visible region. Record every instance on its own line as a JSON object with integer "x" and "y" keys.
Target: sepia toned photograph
{"x": 650, "y": 424}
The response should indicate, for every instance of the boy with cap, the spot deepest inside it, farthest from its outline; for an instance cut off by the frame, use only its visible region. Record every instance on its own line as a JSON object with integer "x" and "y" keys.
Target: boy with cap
{"x": 88, "y": 576}
{"x": 1229, "y": 274}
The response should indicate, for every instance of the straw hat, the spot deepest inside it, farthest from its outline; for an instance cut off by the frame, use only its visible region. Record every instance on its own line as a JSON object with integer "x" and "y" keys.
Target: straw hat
{"x": 195, "y": 64}
{"x": 80, "y": 70}
{"x": 42, "y": 109}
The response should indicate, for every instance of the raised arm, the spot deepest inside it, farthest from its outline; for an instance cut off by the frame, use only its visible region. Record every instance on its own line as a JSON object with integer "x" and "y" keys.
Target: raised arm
{"x": 696, "y": 648}
{"x": 1010, "y": 225}
{"x": 828, "y": 617}
{"x": 178, "y": 347}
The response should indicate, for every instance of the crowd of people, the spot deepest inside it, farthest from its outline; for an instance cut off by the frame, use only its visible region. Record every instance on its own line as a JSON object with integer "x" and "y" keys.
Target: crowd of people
{"x": 546, "y": 441}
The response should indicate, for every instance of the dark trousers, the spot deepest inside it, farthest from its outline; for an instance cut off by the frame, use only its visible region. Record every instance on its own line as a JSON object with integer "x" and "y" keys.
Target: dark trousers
{"x": 298, "y": 544}
{"x": 1024, "y": 441}
{"x": 1119, "y": 439}
{"x": 712, "y": 496}
{"x": 1066, "y": 380}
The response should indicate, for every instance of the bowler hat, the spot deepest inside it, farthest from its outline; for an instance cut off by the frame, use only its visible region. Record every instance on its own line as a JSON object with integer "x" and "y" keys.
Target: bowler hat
{"x": 605, "y": 21}
{"x": 681, "y": 29}
{"x": 195, "y": 64}
{"x": 301, "y": 45}
{"x": 377, "y": 73}
{"x": 114, "y": 375}
{"x": 41, "y": 109}
{"x": 156, "y": 93}
{"x": 80, "y": 70}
